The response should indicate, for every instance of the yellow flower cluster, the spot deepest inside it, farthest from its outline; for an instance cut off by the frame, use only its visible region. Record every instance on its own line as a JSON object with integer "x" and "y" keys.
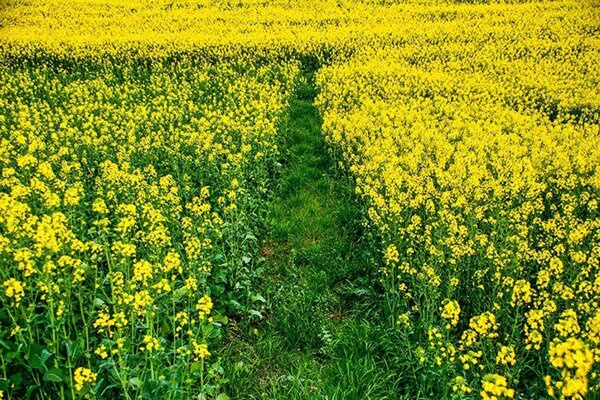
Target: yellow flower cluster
{"x": 495, "y": 387}
{"x": 575, "y": 360}
{"x": 137, "y": 138}
{"x": 107, "y": 28}
{"x": 506, "y": 356}
{"x": 475, "y": 142}
{"x": 200, "y": 351}
{"x": 14, "y": 289}
{"x": 459, "y": 384}
{"x": 150, "y": 344}
{"x": 83, "y": 376}
{"x": 204, "y": 306}
{"x": 122, "y": 187}
{"x": 451, "y": 312}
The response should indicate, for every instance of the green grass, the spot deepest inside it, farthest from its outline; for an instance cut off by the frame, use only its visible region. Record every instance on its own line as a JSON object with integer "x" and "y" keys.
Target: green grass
{"x": 321, "y": 335}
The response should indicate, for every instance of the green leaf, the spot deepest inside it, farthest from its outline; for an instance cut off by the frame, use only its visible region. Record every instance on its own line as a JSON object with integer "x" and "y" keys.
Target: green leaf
{"x": 181, "y": 292}
{"x": 135, "y": 382}
{"x": 222, "y": 396}
{"x": 31, "y": 389}
{"x": 258, "y": 297}
{"x": 221, "y": 319}
{"x": 38, "y": 356}
{"x": 207, "y": 330}
{"x": 16, "y": 381}
{"x": 55, "y": 375}
{"x": 74, "y": 348}
{"x": 195, "y": 366}
{"x": 217, "y": 289}
{"x": 235, "y": 305}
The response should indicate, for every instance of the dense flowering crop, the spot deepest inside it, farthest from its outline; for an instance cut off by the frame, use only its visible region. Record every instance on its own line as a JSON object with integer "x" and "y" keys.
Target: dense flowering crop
{"x": 136, "y": 143}
{"x": 477, "y": 149}
{"x": 124, "y": 199}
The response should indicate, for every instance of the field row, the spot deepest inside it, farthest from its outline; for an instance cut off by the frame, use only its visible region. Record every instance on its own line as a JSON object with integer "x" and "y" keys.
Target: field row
{"x": 478, "y": 158}
{"x": 128, "y": 207}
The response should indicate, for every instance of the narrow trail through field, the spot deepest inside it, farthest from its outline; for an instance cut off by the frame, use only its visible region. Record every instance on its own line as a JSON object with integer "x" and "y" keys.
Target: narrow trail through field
{"x": 314, "y": 341}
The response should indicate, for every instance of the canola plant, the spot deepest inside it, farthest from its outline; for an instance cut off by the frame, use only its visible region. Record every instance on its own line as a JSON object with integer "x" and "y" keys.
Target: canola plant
{"x": 138, "y": 143}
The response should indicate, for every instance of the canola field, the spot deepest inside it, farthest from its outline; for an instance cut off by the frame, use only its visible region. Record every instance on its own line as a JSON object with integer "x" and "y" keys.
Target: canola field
{"x": 141, "y": 143}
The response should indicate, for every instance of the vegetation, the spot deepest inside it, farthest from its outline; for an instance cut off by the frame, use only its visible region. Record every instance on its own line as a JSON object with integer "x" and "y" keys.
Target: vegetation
{"x": 291, "y": 200}
{"x": 317, "y": 336}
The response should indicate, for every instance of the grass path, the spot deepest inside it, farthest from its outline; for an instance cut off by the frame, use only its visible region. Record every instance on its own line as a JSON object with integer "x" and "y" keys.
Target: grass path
{"x": 319, "y": 337}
